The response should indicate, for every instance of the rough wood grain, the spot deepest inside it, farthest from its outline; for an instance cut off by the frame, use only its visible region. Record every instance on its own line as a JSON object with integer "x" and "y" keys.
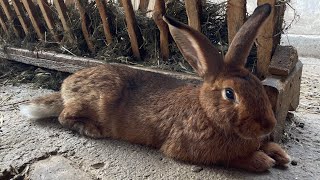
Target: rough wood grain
{"x": 62, "y": 12}
{"x": 47, "y": 14}
{"x": 31, "y": 9}
{"x": 11, "y": 16}
{"x": 283, "y": 60}
{"x": 236, "y": 16}
{"x": 84, "y": 26}
{"x": 21, "y": 15}
{"x": 3, "y": 23}
{"x": 268, "y": 39}
{"x": 104, "y": 19}
{"x": 158, "y": 12}
{"x": 133, "y": 29}
{"x": 194, "y": 10}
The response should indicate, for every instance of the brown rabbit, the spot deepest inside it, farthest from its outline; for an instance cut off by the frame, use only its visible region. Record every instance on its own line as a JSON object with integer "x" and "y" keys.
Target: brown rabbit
{"x": 224, "y": 120}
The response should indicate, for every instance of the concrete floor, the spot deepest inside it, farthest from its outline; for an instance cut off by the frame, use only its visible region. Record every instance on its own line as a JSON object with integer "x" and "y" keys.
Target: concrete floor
{"x": 45, "y": 150}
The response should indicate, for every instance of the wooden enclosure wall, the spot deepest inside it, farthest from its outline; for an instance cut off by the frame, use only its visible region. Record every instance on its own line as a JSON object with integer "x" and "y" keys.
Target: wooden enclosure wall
{"x": 20, "y": 13}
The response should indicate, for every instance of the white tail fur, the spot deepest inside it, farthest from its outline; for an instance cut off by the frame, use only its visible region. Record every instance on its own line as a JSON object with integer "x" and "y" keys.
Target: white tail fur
{"x": 39, "y": 111}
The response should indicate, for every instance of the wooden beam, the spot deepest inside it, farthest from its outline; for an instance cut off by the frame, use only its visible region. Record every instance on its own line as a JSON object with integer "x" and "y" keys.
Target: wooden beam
{"x": 84, "y": 26}
{"x": 133, "y": 30}
{"x": 69, "y": 2}
{"x": 236, "y": 16}
{"x": 3, "y": 23}
{"x": 266, "y": 40}
{"x": 158, "y": 12}
{"x": 194, "y": 10}
{"x": 47, "y": 14}
{"x": 62, "y": 12}
{"x": 103, "y": 14}
{"x": 31, "y": 9}
{"x": 11, "y": 18}
{"x": 21, "y": 15}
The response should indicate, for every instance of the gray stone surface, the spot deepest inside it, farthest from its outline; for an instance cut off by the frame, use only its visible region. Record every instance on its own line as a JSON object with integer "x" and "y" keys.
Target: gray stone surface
{"x": 26, "y": 146}
{"x": 56, "y": 167}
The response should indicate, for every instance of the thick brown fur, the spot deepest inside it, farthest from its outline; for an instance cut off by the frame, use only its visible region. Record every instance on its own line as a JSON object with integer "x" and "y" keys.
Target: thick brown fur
{"x": 194, "y": 123}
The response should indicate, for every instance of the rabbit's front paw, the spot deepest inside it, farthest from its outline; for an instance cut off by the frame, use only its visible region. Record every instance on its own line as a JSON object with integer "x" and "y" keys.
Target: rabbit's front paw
{"x": 276, "y": 152}
{"x": 257, "y": 162}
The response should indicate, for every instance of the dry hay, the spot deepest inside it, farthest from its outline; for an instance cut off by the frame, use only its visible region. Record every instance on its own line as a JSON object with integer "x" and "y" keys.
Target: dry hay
{"x": 213, "y": 20}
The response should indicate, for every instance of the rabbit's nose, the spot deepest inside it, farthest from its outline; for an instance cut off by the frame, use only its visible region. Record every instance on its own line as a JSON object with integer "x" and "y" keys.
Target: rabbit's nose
{"x": 268, "y": 124}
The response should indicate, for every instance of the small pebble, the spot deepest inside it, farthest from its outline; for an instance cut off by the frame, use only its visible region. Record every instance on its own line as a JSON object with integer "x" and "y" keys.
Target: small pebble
{"x": 301, "y": 125}
{"x": 98, "y": 165}
{"x": 196, "y": 169}
{"x": 294, "y": 162}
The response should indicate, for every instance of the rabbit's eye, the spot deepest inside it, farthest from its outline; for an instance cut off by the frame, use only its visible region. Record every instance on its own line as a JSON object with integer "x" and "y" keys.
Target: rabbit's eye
{"x": 229, "y": 94}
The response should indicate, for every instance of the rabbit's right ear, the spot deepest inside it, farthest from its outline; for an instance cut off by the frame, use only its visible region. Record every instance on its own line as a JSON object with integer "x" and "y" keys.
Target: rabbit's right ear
{"x": 204, "y": 58}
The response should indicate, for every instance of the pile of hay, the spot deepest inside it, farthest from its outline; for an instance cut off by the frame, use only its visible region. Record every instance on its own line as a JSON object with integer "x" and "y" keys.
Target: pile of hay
{"x": 213, "y": 19}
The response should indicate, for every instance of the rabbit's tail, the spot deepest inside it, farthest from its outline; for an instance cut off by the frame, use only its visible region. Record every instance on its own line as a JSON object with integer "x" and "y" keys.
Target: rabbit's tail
{"x": 43, "y": 107}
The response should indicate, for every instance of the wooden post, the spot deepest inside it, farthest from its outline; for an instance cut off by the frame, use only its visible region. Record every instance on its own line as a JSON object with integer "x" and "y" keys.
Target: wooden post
{"x": 31, "y": 9}
{"x": 194, "y": 8}
{"x": 21, "y": 15}
{"x": 236, "y": 16}
{"x": 104, "y": 19}
{"x": 266, "y": 40}
{"x": 3, "y": 23}
{"x": 84, "y": 26}
{"x": 47, "y": 14}
{"x": 133, "y": 30}
{"x": 62, "y": 12}
{"x": 159, "y": 11}
{"x": 11, "y": 18}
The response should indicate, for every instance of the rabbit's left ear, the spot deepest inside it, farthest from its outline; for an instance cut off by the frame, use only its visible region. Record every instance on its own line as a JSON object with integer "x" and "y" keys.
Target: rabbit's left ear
{"x": 204, "y": 58}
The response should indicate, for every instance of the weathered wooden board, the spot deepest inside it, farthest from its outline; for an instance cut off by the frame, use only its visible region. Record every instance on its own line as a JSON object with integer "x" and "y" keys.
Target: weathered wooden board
{"x": 236, "y": 16}
{"x": 283, "y": 60}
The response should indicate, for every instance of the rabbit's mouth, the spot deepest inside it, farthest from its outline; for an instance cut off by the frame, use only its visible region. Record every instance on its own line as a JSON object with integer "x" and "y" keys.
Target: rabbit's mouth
{"x": 250, "y": 134}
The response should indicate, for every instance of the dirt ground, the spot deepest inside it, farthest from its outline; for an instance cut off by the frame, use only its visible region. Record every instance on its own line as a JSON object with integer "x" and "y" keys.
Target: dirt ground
{"x": 45, "y": 150}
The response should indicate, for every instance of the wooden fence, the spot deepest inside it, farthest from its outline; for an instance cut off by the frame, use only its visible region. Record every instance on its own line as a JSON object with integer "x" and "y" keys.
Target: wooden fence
{"x": 15, "y": 14}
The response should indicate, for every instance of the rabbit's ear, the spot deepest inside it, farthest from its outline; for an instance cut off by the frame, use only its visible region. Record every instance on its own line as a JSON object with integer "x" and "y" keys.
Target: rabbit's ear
{"x": 204, "y": 58}
{"x": 240, "y": 47}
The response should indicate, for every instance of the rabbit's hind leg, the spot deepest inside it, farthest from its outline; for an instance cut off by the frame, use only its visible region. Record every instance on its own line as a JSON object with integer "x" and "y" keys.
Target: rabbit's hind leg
{"x": 79, "y": 117}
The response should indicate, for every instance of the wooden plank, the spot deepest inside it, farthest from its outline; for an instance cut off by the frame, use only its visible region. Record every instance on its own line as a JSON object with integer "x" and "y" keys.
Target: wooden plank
{"x": 105, "y": 23}
{"x": 159, "y": 11}
{"x": 3, "y": 23}
{"x": 266, "y": 41}
{"x": 84, "y": 26}
{"x": 283, "y": 60}
{"x": 236, "y": 16}
{"x": 11, "y": 16}
{"x": 47, "y": 14}
{"x": 194, "y": 10}
{"x": 21, "y": 15}
{"x": 31, "y": 9}
{"x": 133, "y": 30}
{"x": 62, "y": 12}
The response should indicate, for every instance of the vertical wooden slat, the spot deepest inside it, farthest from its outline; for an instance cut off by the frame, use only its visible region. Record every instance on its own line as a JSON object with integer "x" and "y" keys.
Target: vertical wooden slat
{"x": 47, "y": 14}
{"x": 11, "y": 17}
{"x": 194, "y": 10}
{"x": 3, "y": 23}
{"x": 69, "y": 2}
{"x": 62, "y": 12}
{"x": 84, "y": 26}
{"x": 266, "y": 40}
{"x": 133, "y": 30}
{"x": 103, "y": 14}
{"x": 236, "y": 16}
{"x": 31, "y": 9}
{"x": 21, "y": 15}
{"x": 158, "y": 12}
{"x": 143, "y": 5}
